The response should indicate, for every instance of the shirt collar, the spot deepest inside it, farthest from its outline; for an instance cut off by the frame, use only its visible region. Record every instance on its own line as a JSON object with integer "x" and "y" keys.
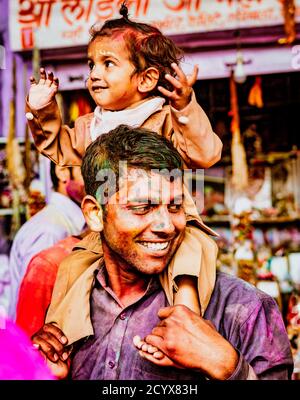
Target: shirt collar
{"x": 71, "y": 211}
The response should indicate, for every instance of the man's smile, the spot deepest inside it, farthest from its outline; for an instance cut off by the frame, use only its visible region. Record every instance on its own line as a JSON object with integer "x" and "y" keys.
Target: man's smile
{"x": 161, "y": 246}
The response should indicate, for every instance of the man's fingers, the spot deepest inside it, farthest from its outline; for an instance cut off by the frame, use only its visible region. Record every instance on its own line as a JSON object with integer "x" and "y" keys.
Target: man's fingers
{"x": 163, "y": 362}
{"x": 156, "y": 341}
{"x": 158, "y": 331}
{"x": 210, "y": 323}
{"x": 165, "y": 312}
{"x": 55, "y": 331}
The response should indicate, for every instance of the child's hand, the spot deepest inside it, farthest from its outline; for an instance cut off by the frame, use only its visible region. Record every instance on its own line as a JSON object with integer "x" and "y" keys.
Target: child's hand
{"x": 44, "y": 91}
{"x": 181, "y": 95}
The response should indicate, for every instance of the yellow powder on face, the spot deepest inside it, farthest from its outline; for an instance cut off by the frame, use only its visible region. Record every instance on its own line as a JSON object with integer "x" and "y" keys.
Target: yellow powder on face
{"x": 104, "y": 53}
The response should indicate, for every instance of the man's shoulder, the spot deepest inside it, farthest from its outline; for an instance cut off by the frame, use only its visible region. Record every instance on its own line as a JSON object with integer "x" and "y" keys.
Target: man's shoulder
{"x": 236, "y": 299}
{"x": 235, "y": 287}
{"x": 233, "y": 283}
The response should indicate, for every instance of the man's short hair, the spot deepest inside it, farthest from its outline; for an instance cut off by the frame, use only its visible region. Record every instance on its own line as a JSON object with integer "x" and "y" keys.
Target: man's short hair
{"x": 139, "y": 147}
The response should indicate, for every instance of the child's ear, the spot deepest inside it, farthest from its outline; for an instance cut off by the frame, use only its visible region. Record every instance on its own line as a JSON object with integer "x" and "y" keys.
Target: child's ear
{"x": 148, "y": 80}
{"x": 93, "y": 214}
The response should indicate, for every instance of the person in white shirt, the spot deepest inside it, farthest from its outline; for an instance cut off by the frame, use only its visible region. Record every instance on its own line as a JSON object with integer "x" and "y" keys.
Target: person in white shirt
{"x": 60, "y": 218}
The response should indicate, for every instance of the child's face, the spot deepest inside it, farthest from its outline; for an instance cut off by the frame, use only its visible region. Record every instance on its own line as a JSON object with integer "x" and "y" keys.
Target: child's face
{"x": 111, "y": 82}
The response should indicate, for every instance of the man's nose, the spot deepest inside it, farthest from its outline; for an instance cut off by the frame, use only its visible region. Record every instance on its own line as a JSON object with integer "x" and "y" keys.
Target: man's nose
{"x": 162, "y": 222}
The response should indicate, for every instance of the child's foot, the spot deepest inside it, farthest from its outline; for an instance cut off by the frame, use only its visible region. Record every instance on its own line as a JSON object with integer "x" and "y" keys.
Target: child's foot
{"x": 152, "y": 353}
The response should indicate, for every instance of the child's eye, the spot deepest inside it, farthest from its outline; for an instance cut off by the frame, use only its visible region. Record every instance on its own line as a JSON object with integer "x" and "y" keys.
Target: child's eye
{"x": 109, "y": 63}
{"x": 90, "y": 65}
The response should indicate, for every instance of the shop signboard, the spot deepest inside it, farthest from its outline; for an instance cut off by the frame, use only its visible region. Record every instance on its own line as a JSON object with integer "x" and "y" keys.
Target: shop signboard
{"x": 65, "y": 23}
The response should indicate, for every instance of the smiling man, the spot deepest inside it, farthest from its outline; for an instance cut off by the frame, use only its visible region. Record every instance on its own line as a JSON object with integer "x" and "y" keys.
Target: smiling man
{"x": 142, "y": 223}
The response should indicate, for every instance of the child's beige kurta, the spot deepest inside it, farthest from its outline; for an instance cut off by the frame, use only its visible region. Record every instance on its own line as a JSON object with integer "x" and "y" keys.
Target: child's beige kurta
{"x": 191, "y": 133}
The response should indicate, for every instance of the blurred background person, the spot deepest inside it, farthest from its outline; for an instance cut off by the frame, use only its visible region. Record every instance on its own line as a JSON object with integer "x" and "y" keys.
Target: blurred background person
{"x": 62, "y": 217}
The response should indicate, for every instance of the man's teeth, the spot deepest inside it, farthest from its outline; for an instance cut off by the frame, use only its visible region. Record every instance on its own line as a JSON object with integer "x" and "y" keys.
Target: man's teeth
{"x": 155, "y": 246}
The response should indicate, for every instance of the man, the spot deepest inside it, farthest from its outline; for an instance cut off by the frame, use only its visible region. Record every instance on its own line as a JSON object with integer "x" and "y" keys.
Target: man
{"x": 142, "y": 223}
{"x": 37, "y": 285}
{"x": 62, "y": 217}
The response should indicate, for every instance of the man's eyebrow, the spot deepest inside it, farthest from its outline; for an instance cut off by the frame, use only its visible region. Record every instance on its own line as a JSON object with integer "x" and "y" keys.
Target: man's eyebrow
{"x": 145, "y": 200}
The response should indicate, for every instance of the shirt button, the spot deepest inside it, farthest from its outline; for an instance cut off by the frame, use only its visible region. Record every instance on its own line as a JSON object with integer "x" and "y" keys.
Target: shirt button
{"x": 111, "y": 364}
{"x": 123, "y": 316}
{"x": 29, "y": 116}
{"x": 183, "y": 120}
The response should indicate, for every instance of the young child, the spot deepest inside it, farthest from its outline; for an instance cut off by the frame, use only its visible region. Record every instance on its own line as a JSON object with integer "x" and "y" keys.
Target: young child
{"x": 135, "y": 79}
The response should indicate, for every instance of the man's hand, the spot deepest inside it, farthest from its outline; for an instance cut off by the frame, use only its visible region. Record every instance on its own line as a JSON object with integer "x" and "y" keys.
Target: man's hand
{"x": 181, "y": 95}
{"x": 193, "y": 343}
{"x": 44, "y": 91}
{"x": 52, "y": 342}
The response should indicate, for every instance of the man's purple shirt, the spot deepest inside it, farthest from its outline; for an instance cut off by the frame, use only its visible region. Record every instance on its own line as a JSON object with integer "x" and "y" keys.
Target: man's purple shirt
{"x": 248, "y": 318}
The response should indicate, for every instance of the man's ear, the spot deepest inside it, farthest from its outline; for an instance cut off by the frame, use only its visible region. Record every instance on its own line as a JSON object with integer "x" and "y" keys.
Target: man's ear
{"x": 93, "y": 213}
{"x": 62, "y": 173}
{"x": 148, "y": 80}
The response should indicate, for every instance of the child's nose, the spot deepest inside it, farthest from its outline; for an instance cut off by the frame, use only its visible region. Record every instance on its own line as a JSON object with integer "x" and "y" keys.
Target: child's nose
{"x": 96, "y": 73}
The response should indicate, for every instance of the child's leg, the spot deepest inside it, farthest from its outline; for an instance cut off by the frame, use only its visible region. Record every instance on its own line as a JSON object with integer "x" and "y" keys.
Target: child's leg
{"x": 187, "y": 293}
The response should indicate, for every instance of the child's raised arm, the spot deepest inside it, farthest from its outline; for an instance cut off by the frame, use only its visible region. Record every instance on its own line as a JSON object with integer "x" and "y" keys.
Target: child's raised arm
{"x": 193, "y": 136}
{"x": 56, "y": 141}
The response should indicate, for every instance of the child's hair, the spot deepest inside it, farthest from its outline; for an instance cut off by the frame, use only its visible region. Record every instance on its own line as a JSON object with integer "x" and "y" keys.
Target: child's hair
{"x": 147, "y": 46}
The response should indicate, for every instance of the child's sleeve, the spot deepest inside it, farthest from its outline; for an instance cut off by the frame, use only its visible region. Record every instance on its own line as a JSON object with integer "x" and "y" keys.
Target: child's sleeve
{"x": 60, "y": 143}
{"x": 193, "y": 136}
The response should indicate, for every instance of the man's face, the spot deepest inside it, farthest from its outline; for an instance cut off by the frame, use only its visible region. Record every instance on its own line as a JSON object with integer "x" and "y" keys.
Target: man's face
{"x": 143, "y": 232}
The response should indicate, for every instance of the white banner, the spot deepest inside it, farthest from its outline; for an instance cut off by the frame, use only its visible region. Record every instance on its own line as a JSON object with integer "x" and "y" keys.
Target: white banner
{"x": 64, "y": 23}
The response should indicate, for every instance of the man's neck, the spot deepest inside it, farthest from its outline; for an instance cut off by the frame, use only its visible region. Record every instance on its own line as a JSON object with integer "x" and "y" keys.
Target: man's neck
{"x": 128, "y": 286}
